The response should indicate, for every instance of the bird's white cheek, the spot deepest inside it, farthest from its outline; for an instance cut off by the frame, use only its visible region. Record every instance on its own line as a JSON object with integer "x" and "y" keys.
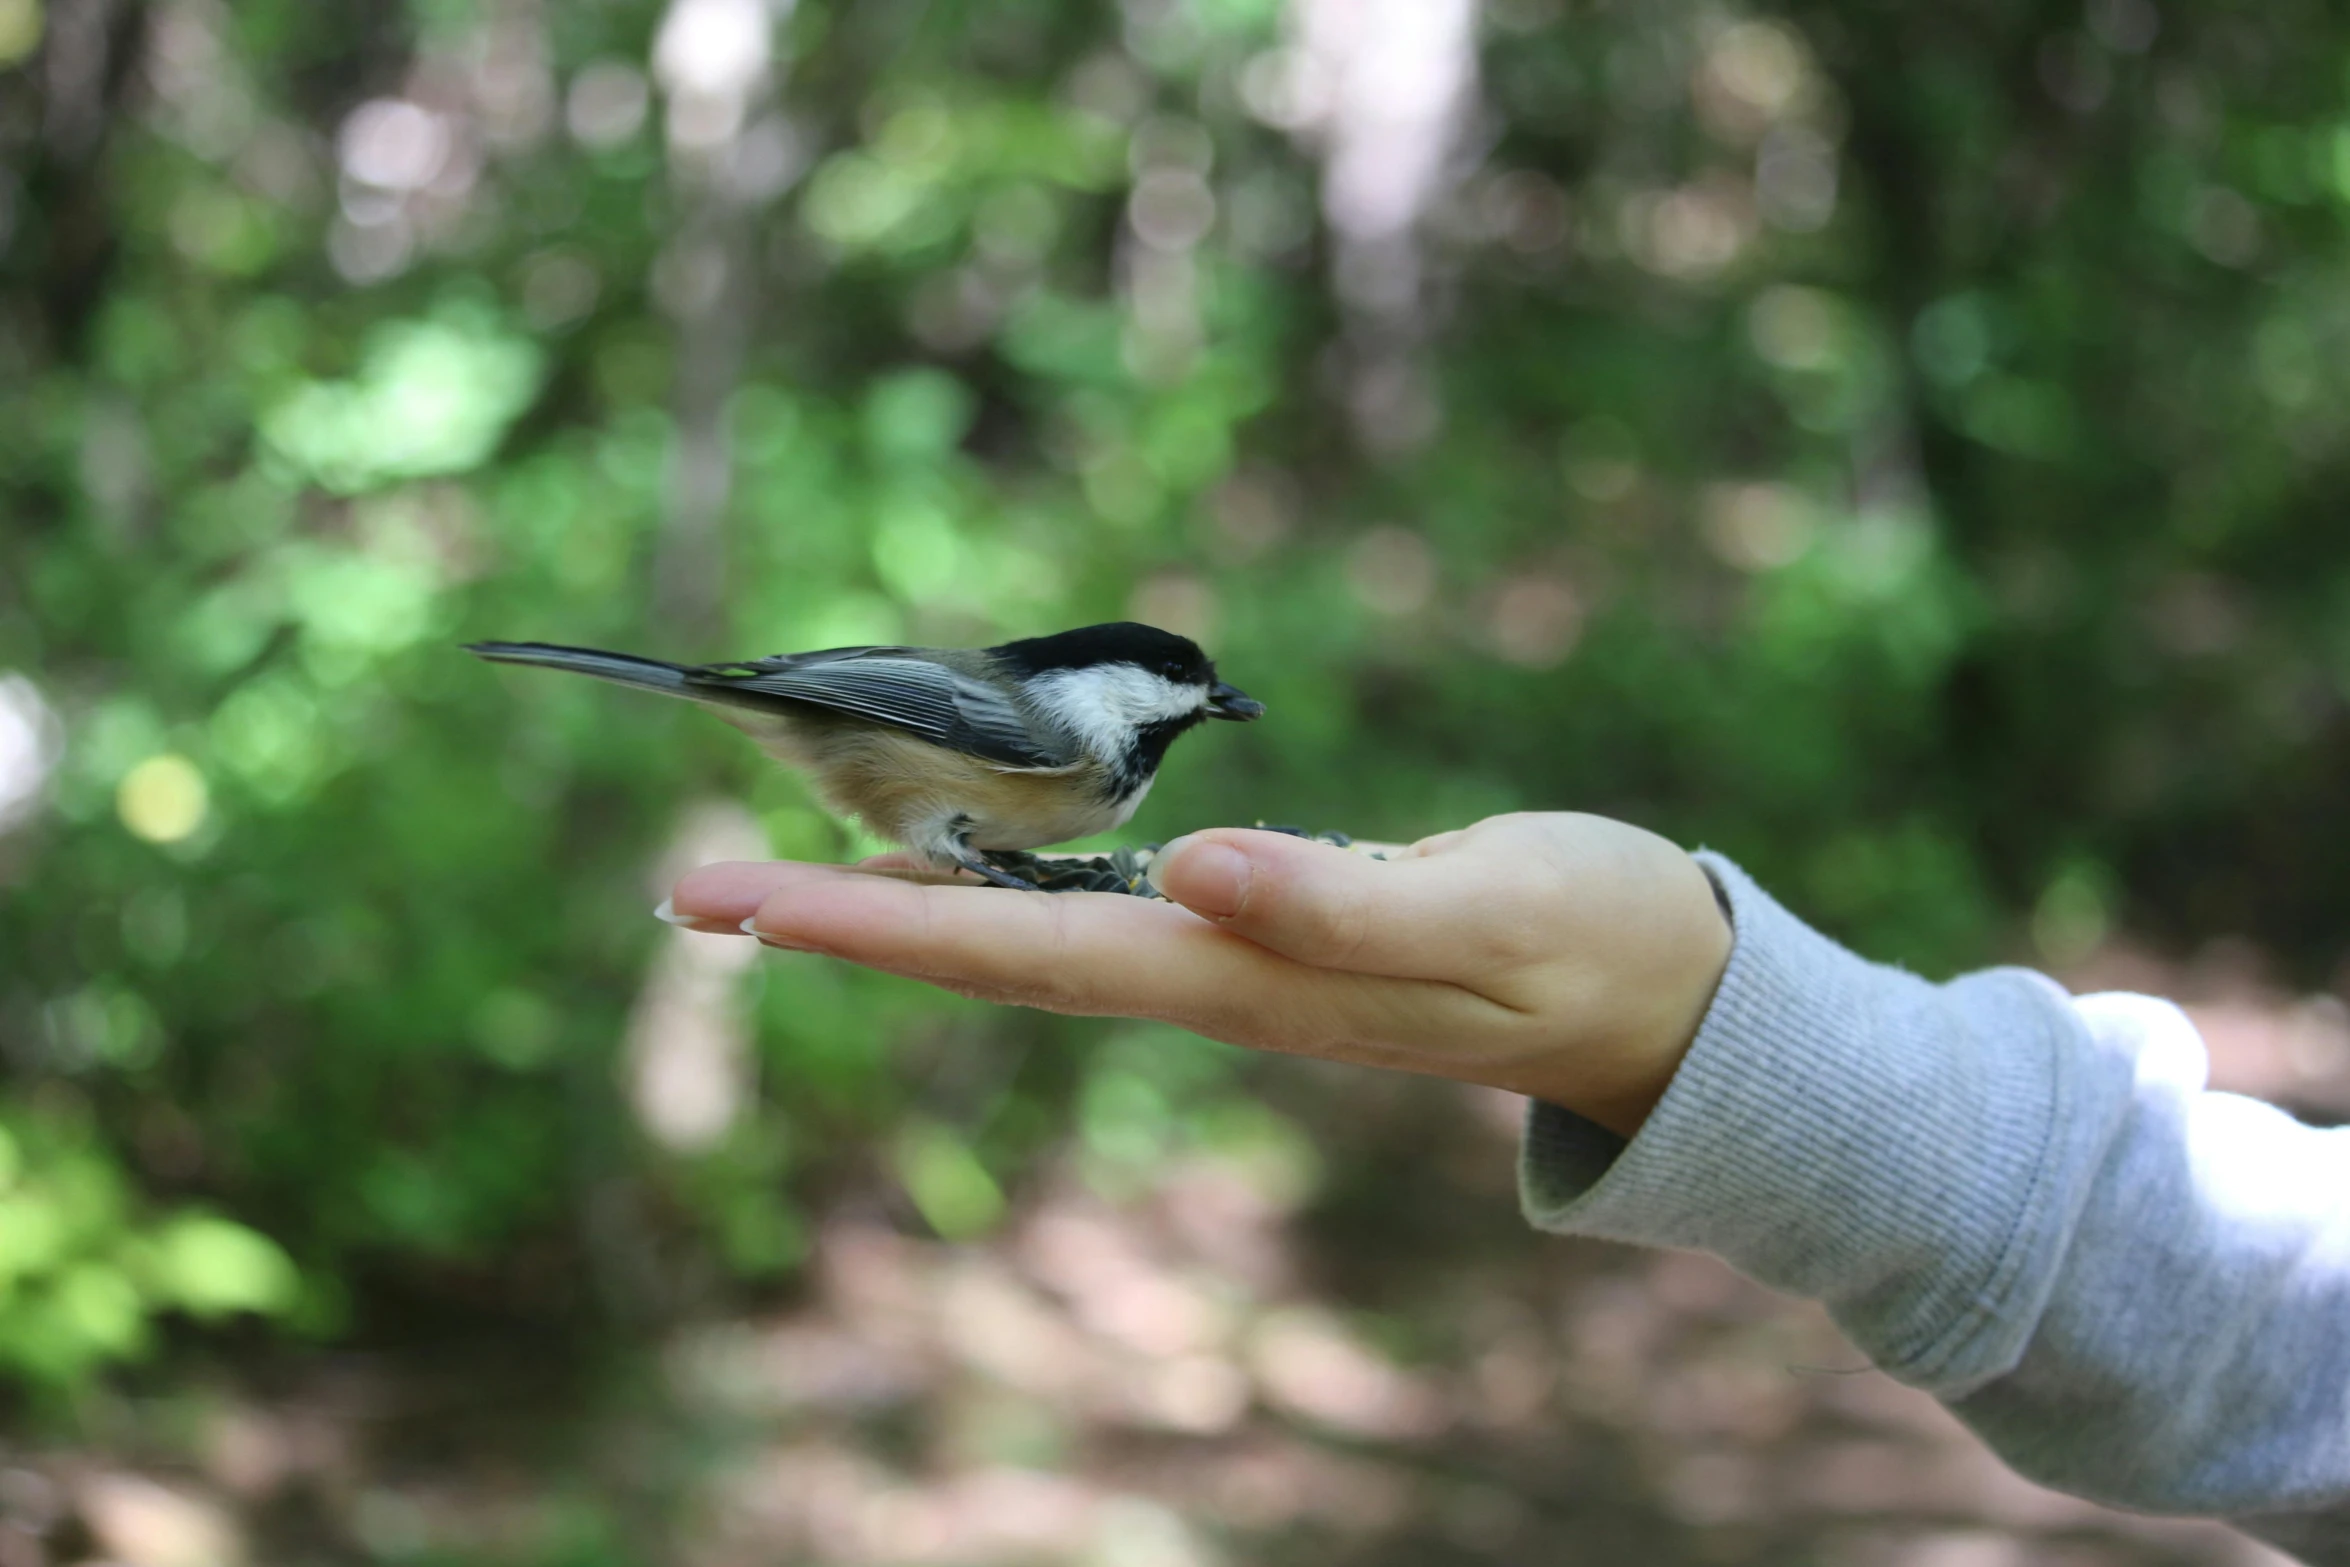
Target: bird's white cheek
{"x": 1105, "y": 705}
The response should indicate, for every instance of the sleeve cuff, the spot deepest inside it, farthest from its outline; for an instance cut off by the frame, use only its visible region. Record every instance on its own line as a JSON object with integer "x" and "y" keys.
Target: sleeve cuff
{"x": 1847, "y": 1132}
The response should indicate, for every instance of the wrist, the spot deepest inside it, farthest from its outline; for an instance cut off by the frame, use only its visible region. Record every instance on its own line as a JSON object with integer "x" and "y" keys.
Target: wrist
{"x": 1654, "y": 994}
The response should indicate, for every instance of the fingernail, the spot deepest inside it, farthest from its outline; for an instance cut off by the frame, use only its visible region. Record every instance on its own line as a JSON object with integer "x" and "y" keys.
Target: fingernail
{"x": 667, "y": 914}
{"x": 751, "y": 928}
{"x": 1158, "y": 865}
{"x": 1215, "y": 877}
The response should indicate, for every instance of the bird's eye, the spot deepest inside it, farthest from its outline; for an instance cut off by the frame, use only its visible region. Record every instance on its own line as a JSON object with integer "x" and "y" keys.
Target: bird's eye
{"x": 1172, "y": 669}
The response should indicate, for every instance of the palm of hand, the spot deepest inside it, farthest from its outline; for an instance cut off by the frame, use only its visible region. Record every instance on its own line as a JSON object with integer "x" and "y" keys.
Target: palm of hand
{"x": 1563, "y": 956}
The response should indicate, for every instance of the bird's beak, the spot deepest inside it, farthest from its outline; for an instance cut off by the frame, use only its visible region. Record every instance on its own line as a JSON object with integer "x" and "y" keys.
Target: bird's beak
{"x": 1231, "y": 702}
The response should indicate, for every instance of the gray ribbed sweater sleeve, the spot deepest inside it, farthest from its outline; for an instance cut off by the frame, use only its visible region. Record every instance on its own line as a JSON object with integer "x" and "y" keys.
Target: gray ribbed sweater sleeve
{"x": 2134, "y": 1289}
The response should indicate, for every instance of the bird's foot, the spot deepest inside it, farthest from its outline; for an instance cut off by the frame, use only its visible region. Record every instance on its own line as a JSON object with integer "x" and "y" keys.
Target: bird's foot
{"x": 981, "y": 864}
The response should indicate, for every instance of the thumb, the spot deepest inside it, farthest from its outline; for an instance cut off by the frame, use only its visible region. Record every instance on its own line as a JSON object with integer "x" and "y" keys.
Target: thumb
{"x": 1421, "y": 918}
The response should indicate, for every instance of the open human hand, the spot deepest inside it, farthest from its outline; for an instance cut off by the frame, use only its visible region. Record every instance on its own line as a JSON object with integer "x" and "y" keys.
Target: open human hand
{"x": 1562, "y": 956}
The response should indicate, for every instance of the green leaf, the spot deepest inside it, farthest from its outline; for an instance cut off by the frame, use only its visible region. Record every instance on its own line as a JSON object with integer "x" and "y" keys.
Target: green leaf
{"x": 211, "y": 1267}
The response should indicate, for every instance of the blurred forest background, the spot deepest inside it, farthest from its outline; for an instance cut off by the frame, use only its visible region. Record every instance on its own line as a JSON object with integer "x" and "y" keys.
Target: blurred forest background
{"x": 1901, "y": 445}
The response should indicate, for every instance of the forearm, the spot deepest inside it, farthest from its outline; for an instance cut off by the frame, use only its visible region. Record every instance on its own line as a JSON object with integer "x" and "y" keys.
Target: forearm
{"x": 2194, "y": 1351}
{"x": 2136, "y": 1291}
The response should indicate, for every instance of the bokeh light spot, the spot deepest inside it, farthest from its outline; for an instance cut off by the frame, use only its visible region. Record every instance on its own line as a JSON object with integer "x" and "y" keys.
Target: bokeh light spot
{"x": 1535, "y": 622}
{"x": 163, "y": 799}
{"x": 20, "y": 29}
{"x": 30, "y": 740}
{"x": 1391, "y": 571}
{"x": 1756, "y": 527}
{"x": 1793, "y": 328}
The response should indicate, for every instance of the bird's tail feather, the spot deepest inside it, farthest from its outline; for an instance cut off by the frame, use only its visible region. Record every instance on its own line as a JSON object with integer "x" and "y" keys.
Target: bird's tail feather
{"x": 622, "y": 668}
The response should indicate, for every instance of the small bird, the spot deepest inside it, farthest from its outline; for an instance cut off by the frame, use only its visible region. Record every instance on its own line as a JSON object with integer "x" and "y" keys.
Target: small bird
{"x": 955, "y": 752}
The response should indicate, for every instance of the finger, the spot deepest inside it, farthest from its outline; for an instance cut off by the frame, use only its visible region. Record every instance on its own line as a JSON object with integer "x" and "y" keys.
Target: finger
{"x": 720, "y": 897}
{"x": 894, "y": 860}
{"x": 1096, "y": 954}
{"x": 911, "y": 867}
{"x": 716, "y": 899}
{"x": 1445, "y": 915}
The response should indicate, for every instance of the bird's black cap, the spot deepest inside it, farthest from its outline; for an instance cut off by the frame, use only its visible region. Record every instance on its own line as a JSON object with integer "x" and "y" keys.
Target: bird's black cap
{"x": 1119, "y": 642}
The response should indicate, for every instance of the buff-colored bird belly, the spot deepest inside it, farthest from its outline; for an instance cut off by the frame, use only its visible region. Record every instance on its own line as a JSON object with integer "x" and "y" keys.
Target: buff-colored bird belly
{"x": 925, "y": 797}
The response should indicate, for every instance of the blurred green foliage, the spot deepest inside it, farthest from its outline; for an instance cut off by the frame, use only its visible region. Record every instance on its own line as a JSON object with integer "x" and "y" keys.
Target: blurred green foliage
{"x": 1902, "y": 446}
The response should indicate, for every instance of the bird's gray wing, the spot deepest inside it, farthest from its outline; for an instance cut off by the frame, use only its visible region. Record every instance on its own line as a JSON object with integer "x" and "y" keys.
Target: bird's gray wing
{"x": 899, "y": 688}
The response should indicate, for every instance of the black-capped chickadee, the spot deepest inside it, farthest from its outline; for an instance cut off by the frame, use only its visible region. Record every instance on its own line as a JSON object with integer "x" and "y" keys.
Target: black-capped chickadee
{"x": 953, "y": 752}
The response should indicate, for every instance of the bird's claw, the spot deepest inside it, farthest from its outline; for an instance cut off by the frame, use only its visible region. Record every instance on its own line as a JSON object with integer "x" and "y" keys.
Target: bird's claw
{"x": 984, "y": 866}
